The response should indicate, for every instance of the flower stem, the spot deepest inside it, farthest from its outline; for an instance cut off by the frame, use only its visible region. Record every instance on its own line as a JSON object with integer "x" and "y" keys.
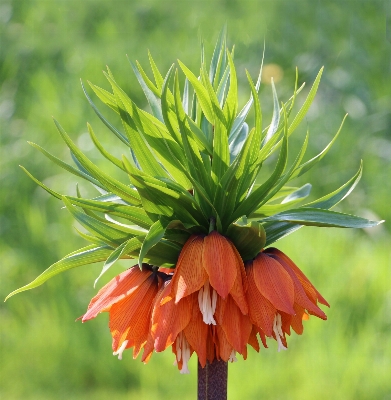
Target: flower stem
{"x": 212, "y": 380}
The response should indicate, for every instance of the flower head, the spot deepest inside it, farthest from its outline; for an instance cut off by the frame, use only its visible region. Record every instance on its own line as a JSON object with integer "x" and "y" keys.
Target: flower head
{"x": 195, "y": 217}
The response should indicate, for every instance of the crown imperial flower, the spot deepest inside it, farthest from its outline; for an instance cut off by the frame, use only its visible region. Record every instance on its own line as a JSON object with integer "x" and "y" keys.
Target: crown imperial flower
{"x": 191, "y": 210}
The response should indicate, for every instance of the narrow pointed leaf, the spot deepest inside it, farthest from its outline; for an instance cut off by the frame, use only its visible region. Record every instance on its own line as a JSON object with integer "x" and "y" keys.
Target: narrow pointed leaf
{"x": 319, "y": 217}
{"x": 126, "y": 247}
{"x": 66, "y": 166}
{"x": 104, "y": 231}
{"x": 201, "y": 91}
{"x": 152, "y": 99}
{"x": 125, "y": 192}
{"x": 306, "y": 105}
{"x": 87, "y": 255}
{"x": 302, "y": 169}
{"x": 276, "y": 115}
{"x": 116, "y": 161}
{"x": 112, "y": 128}
{"x": 154, "y": 235}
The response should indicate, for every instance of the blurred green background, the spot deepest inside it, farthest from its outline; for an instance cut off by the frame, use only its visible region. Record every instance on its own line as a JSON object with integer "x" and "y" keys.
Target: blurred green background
{"x": 47, "y": 46}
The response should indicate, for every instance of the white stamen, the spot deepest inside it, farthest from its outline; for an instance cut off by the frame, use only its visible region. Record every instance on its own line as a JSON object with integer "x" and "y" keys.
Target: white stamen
{"x": 232, "y": 357}
{"x": 277, "y": 329}
{"x": 207, "y": 303}
{"x": 182, "y": 352}
{"x": 120, "y": 350}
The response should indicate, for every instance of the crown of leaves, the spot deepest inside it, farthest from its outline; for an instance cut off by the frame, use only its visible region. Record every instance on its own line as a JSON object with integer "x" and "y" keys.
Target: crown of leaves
{"x": 193, "y": 167}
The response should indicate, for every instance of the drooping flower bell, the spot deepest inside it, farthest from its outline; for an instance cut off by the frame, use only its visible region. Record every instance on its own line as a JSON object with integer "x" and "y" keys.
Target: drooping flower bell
{"x": 195, "y": 216}
{"x": 280, "y": 295}
{"x": 128, "y": 298}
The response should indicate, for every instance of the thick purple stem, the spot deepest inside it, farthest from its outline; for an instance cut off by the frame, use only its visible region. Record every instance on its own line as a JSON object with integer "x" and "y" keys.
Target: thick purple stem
{"x": 212, "y": 381}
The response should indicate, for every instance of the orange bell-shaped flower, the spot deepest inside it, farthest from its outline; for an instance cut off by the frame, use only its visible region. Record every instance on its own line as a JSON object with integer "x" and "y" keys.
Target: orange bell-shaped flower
{"x": 280, "y": 296}
{"x": 128, "y": 298}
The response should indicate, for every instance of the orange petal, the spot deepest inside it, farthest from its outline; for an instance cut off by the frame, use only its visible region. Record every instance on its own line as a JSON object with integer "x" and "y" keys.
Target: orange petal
{"x": 220, "y": 262}
{"x": 307, "y": 285}
{"x": 300, "y": 295}
{"x": 141, "y": 321}
{"x": 240, "y": 285}
{"x": 244, "y": 354}
{"x": 223, "y": 347}
{"x": 119, "y": 287}
{"x": 261, "y": 311}
{"x": 262, "y": 336}
{"x": 237, "y": 327}
{"x": 196, "y": 332}
{"x": 286, "y": 320}
{"x": 169, "y": 319}
{"x": 131, "y": 316}
{"x": 211, "y": 343}
{"x": 189, "y": 275}
{"x": 253, "y": 340}
{"x": 274, "y": 282}
{"x": 148, "y": 349}
{"x": 297, "y": 319}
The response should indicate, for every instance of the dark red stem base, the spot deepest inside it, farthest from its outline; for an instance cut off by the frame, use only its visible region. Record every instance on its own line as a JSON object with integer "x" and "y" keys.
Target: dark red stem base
{"x": 212, "y": 381}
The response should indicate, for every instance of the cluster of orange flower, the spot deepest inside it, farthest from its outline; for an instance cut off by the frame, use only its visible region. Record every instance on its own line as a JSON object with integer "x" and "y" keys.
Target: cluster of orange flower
{"x": 212, "y": 304}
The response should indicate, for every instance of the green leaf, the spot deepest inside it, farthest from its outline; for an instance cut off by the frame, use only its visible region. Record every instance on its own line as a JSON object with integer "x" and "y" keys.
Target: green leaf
{"x": 66, "y": 166}
{"x": 252, "y": 202}
{"x": 248, "y": 178}
{"x": 303, "y": 168}
{"x": 199, "y": 137}
{"x": 134, "y": 214}
{"x": 278, "y": 230}
{"x": 218, "y": 112}
{"x": 283, "y": 192}
{"x": 156, "y": 73}
{"x": 241, "y": 117}
{"x": 319, "y": 217}
{"x": 186, "y": 97}
{"x": 104, "y": 231}
{"x": 125, "y": 192}
{"x": 306, "y": 105}
{"x": 194, "y": 161}
{"x": 126, "y": 247}
{"x": 148, "y": 82}
{"x": 116, "y": 161}
{"x": 332, "y": 199}
{"x": 167, "y": 198}
{"x": 164, "y": 254}
{"x": 237, "y": 144}
{"x": 177, "y": 235}
{"x": 249, "y": 239}
{"x": 50, "y": 191}
{"x": 133, "y": 124}
{"x": 152, "y": 99}
{"x": 223, "y": 86}
{"x": 154, "y": 235}
{"x": 287, "y": 176}
{"x": 286, "y": 204}
{"x": 105, "y": 97}
{"x": 276, "y": 116}
{"x": 231, "y": 103}
{"x": 87, "y": 255}
{"x": 201, "y": 91}
{"x": 217, "y": 57}
{"x": 103, "y": 119}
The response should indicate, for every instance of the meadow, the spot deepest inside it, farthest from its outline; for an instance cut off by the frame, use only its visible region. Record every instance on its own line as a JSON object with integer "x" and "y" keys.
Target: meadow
{"x": 47, "y": 46}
